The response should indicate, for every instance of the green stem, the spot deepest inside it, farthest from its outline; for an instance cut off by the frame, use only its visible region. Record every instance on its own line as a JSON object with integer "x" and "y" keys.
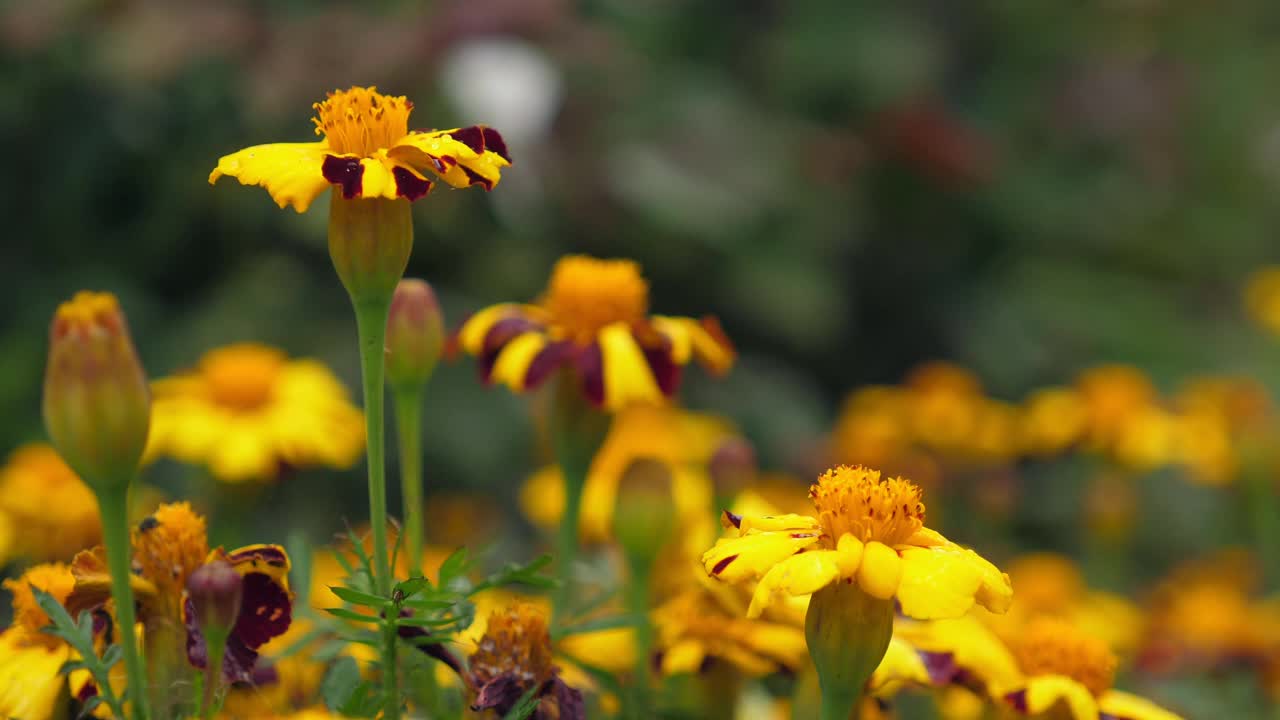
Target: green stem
{"x": 840, "y": 704}
{"x": 641, "y": 569}
{"x": 114, "y": 504}
{"x": 1259, "y": 494}
{"x": 371, "y": 327}
{"x": 575, "y": 477}
{"x": 217, "y": 645}
{"x": 408, "y": 407}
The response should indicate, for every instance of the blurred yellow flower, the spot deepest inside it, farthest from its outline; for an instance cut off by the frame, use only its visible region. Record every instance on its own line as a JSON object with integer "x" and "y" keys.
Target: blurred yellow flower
{"x": 593, "y": 321}
{"x": 1053, "y": 419}
{"x": 705, "y": 624}
{"x": 31, "y": 686}
{"x": 868, "y": 530}
{"x": 682, "y": 442}
{"x": 1262, "y": 297}
{"x": 34, "y": 481}
{"x": 369, "y": 152}
{"x": 247, "y": 412}
{"x": 1114, "y": 396}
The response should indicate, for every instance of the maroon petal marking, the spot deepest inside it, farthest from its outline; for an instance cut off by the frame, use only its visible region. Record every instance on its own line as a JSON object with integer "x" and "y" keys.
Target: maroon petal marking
{"x": 733, "y": 518}
{"x": 493, "y": 142}
{"x": 941, "y": 666}
{"x": 476, "y": 178}
{"x": 347, "y": 172}
{"x": 548, "y": 360}
{"x": 591, "y": 369}
{"x": 409, "y": 185}
{"x": 501, "y": 333}
{"x": 87, "y": 691}
{"x": 430, "y": 645}
{"x": 566, "y": 702}
{"x": 499, "y": 694}
{"x": 472, "y": 137}
{"x": 724, "y": 563}
{"x": 665, "y": 370}
{"x": 265, "y": 611}
{"x": 1018, "y": 699}
{"x": 272, "y": 555}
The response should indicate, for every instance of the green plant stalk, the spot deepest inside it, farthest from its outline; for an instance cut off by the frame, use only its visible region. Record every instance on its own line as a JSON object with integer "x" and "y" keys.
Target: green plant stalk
{"x": 573, "y": 468}
{"x": 114, "y": 505}
{"x": 1260, "y": 496}
{"x": 638, "y": 601}
{"x": 841, "y": 704}
{"x": 217, "y": 647}
{"x": 371, "y": 329}
{"x": 408, "y": 408}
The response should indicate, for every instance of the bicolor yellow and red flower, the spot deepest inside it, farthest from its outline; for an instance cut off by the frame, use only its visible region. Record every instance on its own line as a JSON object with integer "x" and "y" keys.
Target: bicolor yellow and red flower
{"x": 869, "y": 531}
{"x": 593, "y": 321}
{"x": 368, "y": 151}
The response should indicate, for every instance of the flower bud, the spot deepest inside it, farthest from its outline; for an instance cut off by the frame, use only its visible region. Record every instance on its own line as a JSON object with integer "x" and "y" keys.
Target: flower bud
{"x": 97, "y": 406}
{"x": 848, "y": 632}
{"x": 415, "y": 335}
{"x": 645, "y": 517}
{"x": 369, "y": 243}
{"x": 215, "y": 590}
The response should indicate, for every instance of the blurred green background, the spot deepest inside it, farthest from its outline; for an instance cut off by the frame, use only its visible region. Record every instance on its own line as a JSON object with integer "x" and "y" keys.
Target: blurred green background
{"x": 1024, "y": 188}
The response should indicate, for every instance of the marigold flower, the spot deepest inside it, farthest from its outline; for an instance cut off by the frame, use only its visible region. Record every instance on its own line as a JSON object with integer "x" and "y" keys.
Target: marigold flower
{"x": 868, "y": 530}
{"x": 96, "y": 403}
{"x": 593, "y": 321}
{"x": 368, "y": 151}
{"x": 513, "y": 657}
{"x": 682, "y": 441}
{"x": 248, "y": 412}
{"x": 33, "y": 480}
{"x": 31, "y": 685}
{"x": 704, "y": 624}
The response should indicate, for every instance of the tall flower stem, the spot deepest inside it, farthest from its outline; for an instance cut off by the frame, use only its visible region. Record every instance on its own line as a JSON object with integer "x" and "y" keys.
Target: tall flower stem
{"x": 638, "y": 600}
{"x": 114, "y": 505}
{"x": 217, "y": 646}
{"x": 408, "y": 408}
{"x": 579, "y": 430}
{"x": 371, "y": 328}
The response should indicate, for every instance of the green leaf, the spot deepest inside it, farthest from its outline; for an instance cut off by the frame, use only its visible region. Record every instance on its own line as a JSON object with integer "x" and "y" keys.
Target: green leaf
{"x": 425, "y": 622}
{"x": 412, "y": 586}
{"x": 353, "y": 616}
{"x": 340, "y": 683}
{"x": 455, "y": 566}
{"x": 358, "y": 597}
{"x": 299, "y": 549}
{"x": 517, "y": 574}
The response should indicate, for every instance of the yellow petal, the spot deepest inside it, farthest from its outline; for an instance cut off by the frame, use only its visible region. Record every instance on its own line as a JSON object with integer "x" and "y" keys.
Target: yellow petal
{"x": 377, "y": 180}
{"x": 691, "y": 338}
{"x": 880, "y": 570}
{"x": 975, "y": 648}
{"x": 684, "y": 657}
{"x": 30, "y": 684}
{"x": 996, "y": 591}
{"x": 937, "y": 582}
{"x": 1043, "y": 692}
{"x": 1124, "y": 706}
{"x": 289, "y": 171}
{"x": 801, "y": 574}
{"x": 750, "y": 556}
{"x": 784, "y": 644}
{"x": 848, "y": 555}
{"x": 901, "y": 665}
{"x": 542, "y": 497}
{"x": 513, "y": 362}
{"x": 776, "y": 523}
{"x": 418, "y": 148}
{"x": 627, "y": 376}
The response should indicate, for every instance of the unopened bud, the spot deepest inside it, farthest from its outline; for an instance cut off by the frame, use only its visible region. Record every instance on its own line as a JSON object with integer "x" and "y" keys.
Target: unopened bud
{"x": 645, "y": 517}
{"x": 415, "y": 334}
{"x": 97, "y": 406}
{"x": 215, "y": 590}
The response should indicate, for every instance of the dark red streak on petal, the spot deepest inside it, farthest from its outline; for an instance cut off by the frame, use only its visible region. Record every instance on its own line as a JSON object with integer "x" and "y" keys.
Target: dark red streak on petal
{"x": 477, "y": 179}
{"x": 548, "y": 360}
{"x": 734, "y": 519}
{"x": 265, "y": 611}
{"x": 493, "y": 142}
{"x": 591, "y": 369}
{"x": 347, "y": 172}
{"x": 472, "y": 137}
{"x": 409, "y": 185}
{"x": 665, "y": 370}
{"x": 720, "y": 566}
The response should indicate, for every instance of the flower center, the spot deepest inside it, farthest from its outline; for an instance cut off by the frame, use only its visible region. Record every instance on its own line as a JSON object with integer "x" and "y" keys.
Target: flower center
{"x": 517, "y": 642}
{"x": 241, "y": 377}
{"x": 168, "y": 545}
{"x": 360, "y": 121}
{"x": 1053, "y": 647}
{"x": 856, "y": 500}
{"x": 586, "y": 294}
{"x": 53, "y": 578}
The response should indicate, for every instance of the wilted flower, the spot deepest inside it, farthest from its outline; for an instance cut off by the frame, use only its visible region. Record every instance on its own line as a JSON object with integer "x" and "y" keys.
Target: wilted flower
{"x": 513, "y": 657}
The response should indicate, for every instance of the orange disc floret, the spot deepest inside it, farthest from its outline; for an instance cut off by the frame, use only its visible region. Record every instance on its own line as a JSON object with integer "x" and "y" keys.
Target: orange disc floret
{"x": 53, "y": 578}
{"x": 856, "y": 500}
{"x": 586, "y": 294}
{"x": 168, "y": 545}
{"x": 1053, "y": 647}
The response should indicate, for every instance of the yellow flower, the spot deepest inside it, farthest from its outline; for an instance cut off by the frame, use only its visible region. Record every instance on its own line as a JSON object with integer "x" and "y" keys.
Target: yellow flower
{"x": 593, "y": 321}
{"x": 1113, "y": 396}
{"x": 701, "y": 624}
{"x": 248, "y": 411}
{"x": 368, "y": 150}
{"x": 53, "y": 513}
{"x": 683, "y": 442}
{"x": 1051, "y": 670}
{"x": 868, "y": 530}
{"x": 1051, "y": 585}
{"x": 1053, "y": 419}
{"x": 31, "y": 686}
{"x": 1262, "y": 297}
